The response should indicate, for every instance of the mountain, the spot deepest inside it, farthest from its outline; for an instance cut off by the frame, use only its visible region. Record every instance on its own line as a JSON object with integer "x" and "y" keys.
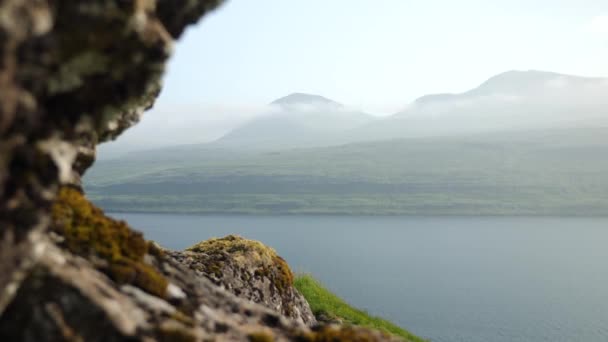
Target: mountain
{"x": 305, "y": 99}
{"x": 521, "y": 143}
{"x": 510, "y": 101}
{"x": 525, "y": 85}
{"x": 296, "y": 120}
{"x": 513, "y": 100}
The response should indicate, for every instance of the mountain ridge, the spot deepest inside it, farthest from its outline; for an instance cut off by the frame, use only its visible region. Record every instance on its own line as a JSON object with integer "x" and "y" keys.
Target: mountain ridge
{"x": 295, "y": 120}
{"x": 304, "y": 99}
{"x": 512, "y": 100}
{"x": 509, "y": 81}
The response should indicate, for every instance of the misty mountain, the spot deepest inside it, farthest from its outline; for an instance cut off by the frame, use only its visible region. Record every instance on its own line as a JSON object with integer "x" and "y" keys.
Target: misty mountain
{"x": 513, "y": 100}
{"x": 510, "y": 101}
{"x": 522, "y": 142}
{"x": 296, "y": 120}
{"x": 302, "y": 99}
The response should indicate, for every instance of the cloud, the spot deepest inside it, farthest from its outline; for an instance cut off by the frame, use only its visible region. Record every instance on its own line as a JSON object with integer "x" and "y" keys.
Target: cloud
{"x": 558, "y": 82}
{"x": 177, "y": 124}
{"x": 599, "y": 25}
{"x": 309, "y": 107}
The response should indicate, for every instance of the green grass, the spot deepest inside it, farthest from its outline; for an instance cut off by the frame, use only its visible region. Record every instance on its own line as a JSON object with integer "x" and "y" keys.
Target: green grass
{"x": 322, "y": 301}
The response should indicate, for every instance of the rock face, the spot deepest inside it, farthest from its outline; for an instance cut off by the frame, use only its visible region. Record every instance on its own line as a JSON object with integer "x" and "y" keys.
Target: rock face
{"x": 250, "y": 270}
{"x": 73, "y": 74}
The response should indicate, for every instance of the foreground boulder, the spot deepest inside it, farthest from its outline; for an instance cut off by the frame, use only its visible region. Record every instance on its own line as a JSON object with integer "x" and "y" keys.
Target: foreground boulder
{"x": 98, "y": 280}
{"x": 250, "y": 270}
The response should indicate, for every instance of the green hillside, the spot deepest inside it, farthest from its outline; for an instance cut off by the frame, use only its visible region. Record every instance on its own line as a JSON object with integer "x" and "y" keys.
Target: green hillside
{"x": 547, "y": 172}
{"x": 324, "y": 303}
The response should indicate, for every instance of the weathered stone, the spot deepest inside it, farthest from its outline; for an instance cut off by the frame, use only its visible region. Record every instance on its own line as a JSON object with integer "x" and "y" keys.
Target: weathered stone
{"x": 73, "y": 297}
{"x": 64, "y": 299}
{"x": 250, "y": 270}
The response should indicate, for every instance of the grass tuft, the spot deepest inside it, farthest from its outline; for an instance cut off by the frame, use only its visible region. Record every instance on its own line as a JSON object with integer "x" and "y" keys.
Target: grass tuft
{"x": 323, "y": 302}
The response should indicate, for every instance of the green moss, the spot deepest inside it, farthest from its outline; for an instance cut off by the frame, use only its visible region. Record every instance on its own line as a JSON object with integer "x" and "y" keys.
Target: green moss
{"x": 176, "y": 334}
{"x": 339, "y": 334}
{"x": 285, "y": 278}
{"x": 88, "y": 232}
{"x": 247, "y": 253}
{"x": 216, "y": 269}
{"x": 155, "y": 250}
{"x": 232, "y": 244}
{"x": 72, "y": 72}
{"x": 260, "y": 337}
{"x": 182, "y": 318}
{"x": 323, "y": 302}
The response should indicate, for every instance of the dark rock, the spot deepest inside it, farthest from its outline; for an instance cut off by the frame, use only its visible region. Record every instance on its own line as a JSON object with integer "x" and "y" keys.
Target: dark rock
{"x": 72, "y": 74}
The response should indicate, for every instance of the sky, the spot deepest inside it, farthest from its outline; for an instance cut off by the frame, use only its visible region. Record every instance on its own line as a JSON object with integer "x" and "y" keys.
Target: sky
{"x": 374, "y": 55}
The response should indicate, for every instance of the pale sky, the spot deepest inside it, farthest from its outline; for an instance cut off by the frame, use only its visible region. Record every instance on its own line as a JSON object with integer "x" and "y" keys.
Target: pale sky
{"x": 374, "y": 55}
{"x": 379, "y": 54}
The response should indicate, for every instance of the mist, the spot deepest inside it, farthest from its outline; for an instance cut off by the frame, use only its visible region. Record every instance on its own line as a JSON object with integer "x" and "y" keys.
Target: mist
{"x": 169, "y": 124}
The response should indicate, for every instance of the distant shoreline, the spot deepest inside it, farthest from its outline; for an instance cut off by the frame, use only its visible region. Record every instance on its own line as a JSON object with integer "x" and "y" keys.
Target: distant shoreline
{"x": 246, "y": 214}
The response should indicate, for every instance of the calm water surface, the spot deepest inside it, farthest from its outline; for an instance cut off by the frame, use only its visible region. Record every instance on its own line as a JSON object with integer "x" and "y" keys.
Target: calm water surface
{"x": 449, "y": 279}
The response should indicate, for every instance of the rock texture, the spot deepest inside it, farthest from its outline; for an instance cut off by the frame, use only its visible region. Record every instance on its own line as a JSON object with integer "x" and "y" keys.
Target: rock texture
{"x": 73, "y": 74}
{"x": 250, "y": 270}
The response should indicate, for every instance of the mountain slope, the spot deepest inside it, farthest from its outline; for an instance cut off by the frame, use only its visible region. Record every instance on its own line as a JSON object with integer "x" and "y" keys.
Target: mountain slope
{"x": 542, "y": 172}
{"x": 296, "y": 120}
{"x": 523, "y": 142}
{"x": 513, "y": 100}
{"x": 305, "y": 99}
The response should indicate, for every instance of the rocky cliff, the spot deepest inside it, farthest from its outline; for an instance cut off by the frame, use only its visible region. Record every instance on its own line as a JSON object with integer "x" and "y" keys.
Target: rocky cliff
{"x": 73, "y": 74}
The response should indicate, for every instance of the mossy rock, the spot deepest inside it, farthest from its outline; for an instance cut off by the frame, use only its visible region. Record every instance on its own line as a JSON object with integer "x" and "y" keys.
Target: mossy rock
{"x": 247, "y": 253}
{"x": 332, "y": 333}
{"x": 261, "y": 336}
{"x": 251, "y": 270}
{"x": 88, "y": 232}
{"x": 171, "y": 332}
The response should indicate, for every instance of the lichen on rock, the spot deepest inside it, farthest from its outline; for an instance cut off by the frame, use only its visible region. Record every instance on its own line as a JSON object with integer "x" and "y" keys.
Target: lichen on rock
{"x": 250, "y": 270}
{"x": 336, "y": 333}
{"x": 247, "y": 254}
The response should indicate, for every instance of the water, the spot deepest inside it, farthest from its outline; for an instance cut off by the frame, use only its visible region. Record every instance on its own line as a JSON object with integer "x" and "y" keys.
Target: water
{"x": 449, "y": 279}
